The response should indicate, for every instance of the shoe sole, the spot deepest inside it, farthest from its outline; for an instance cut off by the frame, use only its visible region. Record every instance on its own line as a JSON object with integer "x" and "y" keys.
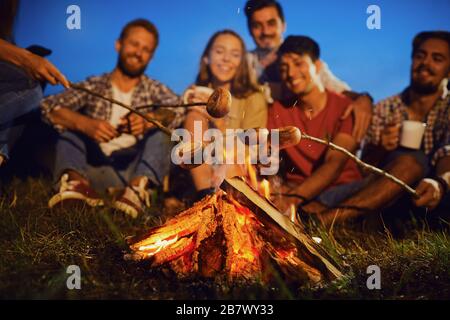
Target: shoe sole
{"x": 57, "y": 198}
{"x": 126, "y": 208}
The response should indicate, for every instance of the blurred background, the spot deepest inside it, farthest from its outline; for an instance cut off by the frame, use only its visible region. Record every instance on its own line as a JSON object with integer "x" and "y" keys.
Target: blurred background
{"x": 376, "y": 61}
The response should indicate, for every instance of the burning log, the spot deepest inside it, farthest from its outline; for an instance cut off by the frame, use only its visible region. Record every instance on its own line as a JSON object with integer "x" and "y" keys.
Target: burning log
{"x": 234, "y": 235}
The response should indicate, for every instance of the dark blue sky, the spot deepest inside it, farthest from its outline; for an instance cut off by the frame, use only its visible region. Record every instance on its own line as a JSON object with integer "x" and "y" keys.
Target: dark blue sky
{"x": 369, "y": 60}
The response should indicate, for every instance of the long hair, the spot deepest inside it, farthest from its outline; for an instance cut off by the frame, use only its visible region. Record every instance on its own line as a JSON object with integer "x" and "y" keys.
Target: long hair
{"x": 8, "y": 10}
{"x": 243, "y": 84}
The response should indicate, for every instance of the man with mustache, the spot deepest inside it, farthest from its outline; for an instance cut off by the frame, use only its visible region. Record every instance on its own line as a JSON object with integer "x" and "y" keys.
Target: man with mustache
{"x": 96, "y": 133}
{"x": 265, "y": 20}
{"x": 425, "y": 100}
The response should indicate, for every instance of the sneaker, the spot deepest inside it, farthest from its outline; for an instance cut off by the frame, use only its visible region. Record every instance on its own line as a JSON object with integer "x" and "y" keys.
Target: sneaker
{"x": 133, "y": 200}
{"x": 75, "y": 190}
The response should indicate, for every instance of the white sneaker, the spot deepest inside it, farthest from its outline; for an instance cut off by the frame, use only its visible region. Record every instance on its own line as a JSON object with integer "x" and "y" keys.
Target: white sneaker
{"x": 133, "y": 200}
{"x": 75, "y": 190}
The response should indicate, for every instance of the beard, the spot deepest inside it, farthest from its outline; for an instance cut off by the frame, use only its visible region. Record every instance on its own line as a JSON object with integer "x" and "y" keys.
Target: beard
{"x": 268, "y": 47}
{"x": 126, "y": 70}
{"x": 424, "y": 88}
{"x": 421, "y": 87}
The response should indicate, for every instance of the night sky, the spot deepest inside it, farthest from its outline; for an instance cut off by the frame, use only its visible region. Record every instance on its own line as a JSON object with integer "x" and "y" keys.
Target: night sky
{"x": 369, "y": 60}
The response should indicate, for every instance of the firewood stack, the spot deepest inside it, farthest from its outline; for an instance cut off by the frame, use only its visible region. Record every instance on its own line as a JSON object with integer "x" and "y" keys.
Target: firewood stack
{"x": 235, "y": 236}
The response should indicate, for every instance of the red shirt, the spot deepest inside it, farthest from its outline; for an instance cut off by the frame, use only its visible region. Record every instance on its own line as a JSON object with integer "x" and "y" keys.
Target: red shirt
{"x": 308, "y": 155}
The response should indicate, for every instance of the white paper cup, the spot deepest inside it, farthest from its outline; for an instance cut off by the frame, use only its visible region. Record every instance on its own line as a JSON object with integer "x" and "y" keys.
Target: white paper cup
{"x": 197, "y": 89}
{"x": 412, "y": 134}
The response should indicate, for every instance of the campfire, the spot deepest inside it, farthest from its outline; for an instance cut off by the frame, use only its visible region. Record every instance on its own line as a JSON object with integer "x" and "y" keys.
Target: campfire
{"x": 235, "y": 235}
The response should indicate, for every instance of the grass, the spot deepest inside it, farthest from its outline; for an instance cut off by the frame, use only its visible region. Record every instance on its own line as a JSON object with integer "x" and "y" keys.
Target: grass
{"x": 38, "y": 244}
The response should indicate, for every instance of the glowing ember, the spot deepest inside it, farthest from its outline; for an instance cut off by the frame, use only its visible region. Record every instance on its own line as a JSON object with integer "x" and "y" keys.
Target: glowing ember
{"x": 154, "y": 248}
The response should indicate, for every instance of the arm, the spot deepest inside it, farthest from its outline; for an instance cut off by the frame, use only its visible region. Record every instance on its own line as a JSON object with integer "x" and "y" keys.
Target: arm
{"x": 330, "y": 170}
{"x": 69, "y": 99}
{"x": 362, "y": 110}
{"x": 430, "y": 191}
{"x": 98, "y": 130}
{"x": 161, "y": 94}
{"x": 37, "y": 67}
{"x": 382, "y": 135}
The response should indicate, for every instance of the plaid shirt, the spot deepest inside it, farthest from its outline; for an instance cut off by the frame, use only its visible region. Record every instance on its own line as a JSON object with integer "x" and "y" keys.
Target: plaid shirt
{"x": 148, "y": 91}
{"x": 393, "y": 111}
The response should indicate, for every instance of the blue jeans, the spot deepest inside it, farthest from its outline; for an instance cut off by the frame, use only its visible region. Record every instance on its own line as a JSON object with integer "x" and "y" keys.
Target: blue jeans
{"x": 334, "y": 196}
{"x": 150, "y": 157}
{"x": 19, "y": 95}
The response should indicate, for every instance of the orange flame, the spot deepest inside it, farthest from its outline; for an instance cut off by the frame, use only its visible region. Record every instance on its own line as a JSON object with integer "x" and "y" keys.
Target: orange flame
{"x": 251, "y": 173}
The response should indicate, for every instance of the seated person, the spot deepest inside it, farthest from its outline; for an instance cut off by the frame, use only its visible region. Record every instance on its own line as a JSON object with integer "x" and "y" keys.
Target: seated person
{"x": 313, "y": 172}
{"x": 266, "y": 24}
{"x": 95, "y": 132}
{"x": 223, "y": 64}
{"x": 20, "y": 74}
{"x": 425, "y": 100}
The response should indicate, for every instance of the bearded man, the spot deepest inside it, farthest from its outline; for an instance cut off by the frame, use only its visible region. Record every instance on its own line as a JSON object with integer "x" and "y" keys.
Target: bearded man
{"x": 95, "y": 133}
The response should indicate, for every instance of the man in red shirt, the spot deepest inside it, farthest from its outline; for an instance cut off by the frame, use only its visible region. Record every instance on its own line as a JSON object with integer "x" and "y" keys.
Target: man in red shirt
{"x": 312, "y": 171}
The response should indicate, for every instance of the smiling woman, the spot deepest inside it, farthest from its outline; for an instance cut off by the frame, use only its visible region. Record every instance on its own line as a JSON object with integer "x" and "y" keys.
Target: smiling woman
{"x": 223, "y": 64}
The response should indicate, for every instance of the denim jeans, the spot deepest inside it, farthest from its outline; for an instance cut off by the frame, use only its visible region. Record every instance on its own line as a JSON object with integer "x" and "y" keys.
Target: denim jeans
{"x": 334, "y": 196}
{"x": 19, "y": 95}
{"x": 150, "y": 157}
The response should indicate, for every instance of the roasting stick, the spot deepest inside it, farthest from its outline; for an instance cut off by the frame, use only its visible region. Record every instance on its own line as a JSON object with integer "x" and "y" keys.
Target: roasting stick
{"x": 158, "y": 124}
{"x": 217, "y": 106}
{"x": 296, "y": 133}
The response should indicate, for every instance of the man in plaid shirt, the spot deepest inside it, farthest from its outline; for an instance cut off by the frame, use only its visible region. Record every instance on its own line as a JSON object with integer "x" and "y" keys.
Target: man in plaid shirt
{"x": 95, "y": 132}
{"x": 428, "y": 169}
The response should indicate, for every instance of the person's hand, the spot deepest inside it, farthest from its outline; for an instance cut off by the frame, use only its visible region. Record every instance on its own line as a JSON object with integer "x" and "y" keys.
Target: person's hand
{"x": 429, "y": 194}
{"x": 41, "y": 69}
{"x": 390, "y": 137}
{"x": 99, "y": 130}
{"x": 197, "y": 94}
{"x": 135, "y": 124}
{"x": 362, "y": 110}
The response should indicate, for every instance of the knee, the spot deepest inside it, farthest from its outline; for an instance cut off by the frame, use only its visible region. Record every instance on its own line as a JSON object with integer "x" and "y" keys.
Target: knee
{"x": 157, "y": 140}
{"x": 32, "y": 98}
{"x": 70, "y": 138}
{"x": 410, "y": 165}
{"x": 69, "y": 135}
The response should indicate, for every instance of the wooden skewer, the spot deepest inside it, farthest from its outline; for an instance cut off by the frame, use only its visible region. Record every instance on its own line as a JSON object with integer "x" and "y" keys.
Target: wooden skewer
{"x": 158, "y": 124}
{"x": 291, "y": 131}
